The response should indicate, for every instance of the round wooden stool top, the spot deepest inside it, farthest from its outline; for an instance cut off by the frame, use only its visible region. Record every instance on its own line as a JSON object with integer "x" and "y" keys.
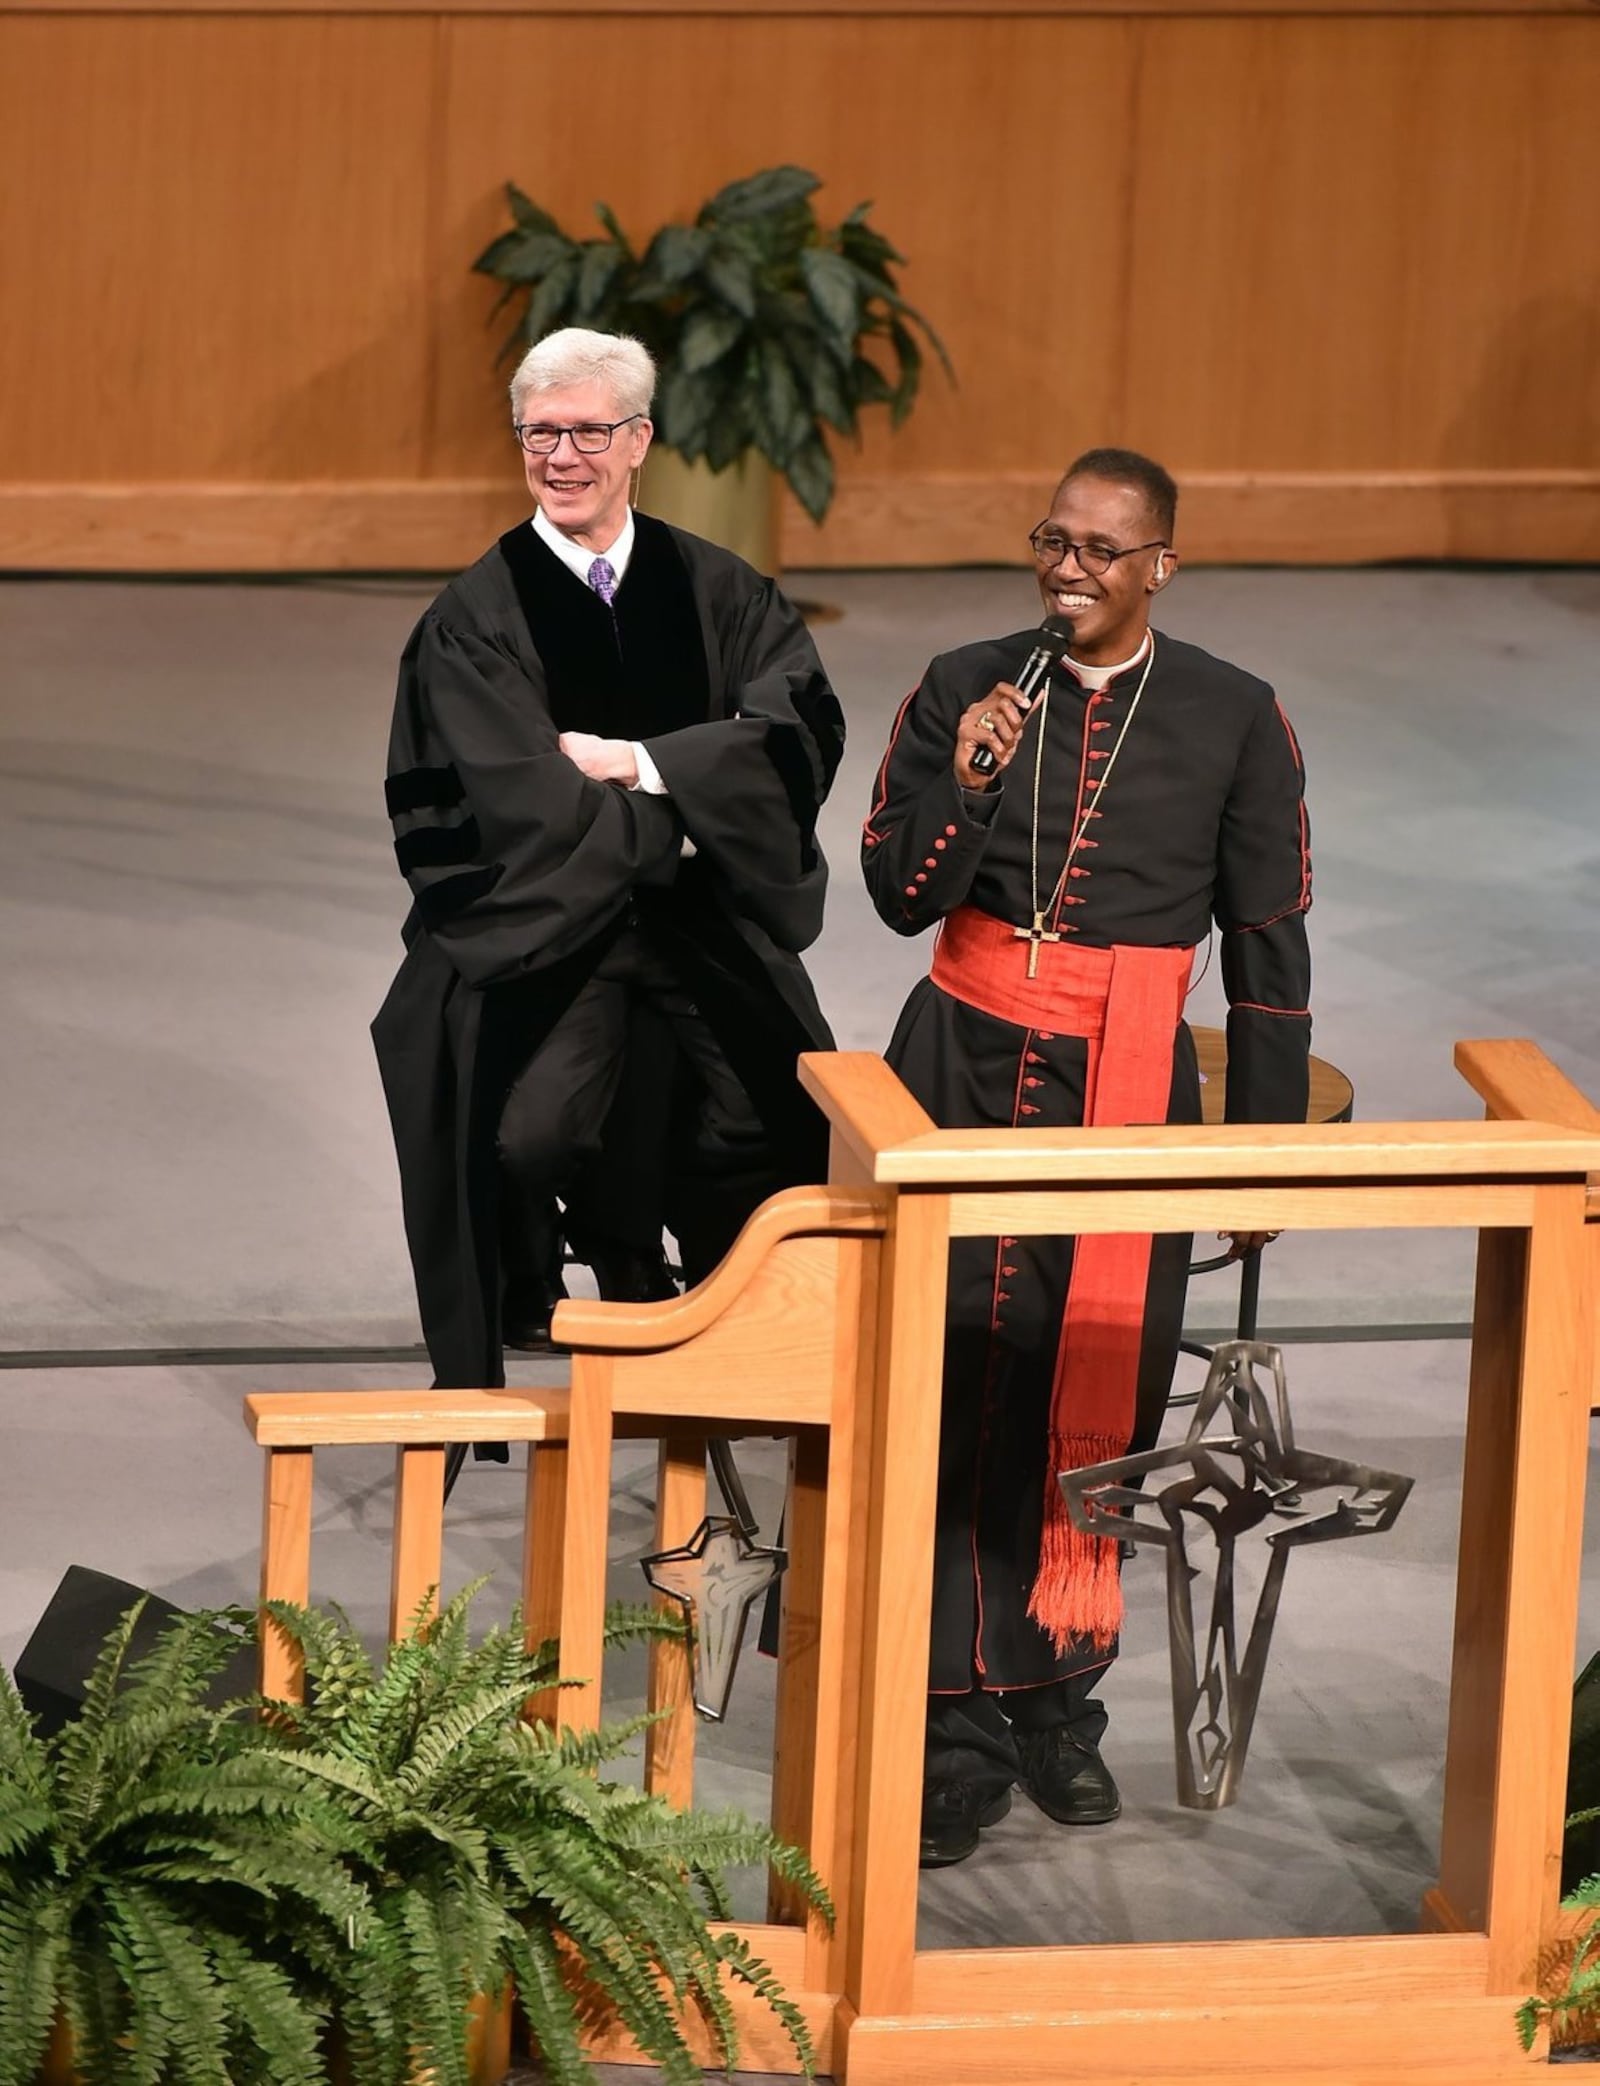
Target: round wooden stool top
{"x": 1331, "y": 1100}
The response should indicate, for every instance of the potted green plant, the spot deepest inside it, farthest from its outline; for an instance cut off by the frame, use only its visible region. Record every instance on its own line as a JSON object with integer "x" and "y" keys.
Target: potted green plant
{"x": 769, "y": 330}
{"x": 192, "y": 1896}
{"x": 491, "y": 1849}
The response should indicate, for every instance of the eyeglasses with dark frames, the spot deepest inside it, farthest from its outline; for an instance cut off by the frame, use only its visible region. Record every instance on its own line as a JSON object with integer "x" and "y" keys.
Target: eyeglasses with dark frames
{"x": 589, "y": 437}
{"x": 1050, "y": 547}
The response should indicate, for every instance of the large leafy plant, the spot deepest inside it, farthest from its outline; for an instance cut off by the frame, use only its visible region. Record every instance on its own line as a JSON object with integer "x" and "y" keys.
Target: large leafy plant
{"x": 768, "y": 327}
{"x": 165, "y": 1883}
{"x": 490, "y": 1847}
{"x": 203, "y": 1894}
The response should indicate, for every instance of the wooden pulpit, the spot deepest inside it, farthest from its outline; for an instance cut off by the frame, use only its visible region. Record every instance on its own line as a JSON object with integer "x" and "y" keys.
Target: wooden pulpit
{"x": 1351, "y": 2011}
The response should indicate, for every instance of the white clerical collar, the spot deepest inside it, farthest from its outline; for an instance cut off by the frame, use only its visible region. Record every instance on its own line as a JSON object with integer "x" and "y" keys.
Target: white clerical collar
{"x": 575, "y": 557}
{"x": 1093, "y": 677}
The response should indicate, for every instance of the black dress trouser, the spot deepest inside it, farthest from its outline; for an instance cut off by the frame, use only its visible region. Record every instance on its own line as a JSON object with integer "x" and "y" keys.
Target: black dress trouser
{"x": 555, "y": 1116}
{"x": 971, "y": 1738}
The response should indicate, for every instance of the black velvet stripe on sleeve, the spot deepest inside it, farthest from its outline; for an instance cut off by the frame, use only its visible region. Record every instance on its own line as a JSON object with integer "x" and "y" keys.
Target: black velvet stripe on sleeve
{"x": 421, "y": 789}
{"x": 438, "y": 847}
{"x": 787, "y": 753}
{"x": 818, "y": 709}
{"x": 437, "y": 903}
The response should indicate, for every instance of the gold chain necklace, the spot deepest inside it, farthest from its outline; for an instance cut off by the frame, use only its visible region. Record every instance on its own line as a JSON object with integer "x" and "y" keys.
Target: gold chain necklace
{"x": 1038, "y": 933}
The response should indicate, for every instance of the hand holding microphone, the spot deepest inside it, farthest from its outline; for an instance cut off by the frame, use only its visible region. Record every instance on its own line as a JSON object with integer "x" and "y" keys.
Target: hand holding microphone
{"x": 1001, "y": 715}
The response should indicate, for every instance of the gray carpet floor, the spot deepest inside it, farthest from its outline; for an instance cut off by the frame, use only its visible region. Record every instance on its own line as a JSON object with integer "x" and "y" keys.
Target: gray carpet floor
{"x": 199, "y": 913}
{"x": 199, "y": 910}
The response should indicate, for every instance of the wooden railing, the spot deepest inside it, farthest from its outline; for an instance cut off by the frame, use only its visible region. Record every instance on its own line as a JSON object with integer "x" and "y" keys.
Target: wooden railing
{"x": 769, "y": 1344}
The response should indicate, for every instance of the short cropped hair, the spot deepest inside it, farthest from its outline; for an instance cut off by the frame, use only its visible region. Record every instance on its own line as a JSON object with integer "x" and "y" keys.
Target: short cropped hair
{"x": 577, "y": 355}
{"x": 1128, "y": 467}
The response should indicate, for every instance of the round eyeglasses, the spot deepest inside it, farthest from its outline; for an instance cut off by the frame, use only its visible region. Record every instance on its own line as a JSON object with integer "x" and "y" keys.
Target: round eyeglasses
{"x": 589, "y": 437}
{"x": 1050, "y": 547}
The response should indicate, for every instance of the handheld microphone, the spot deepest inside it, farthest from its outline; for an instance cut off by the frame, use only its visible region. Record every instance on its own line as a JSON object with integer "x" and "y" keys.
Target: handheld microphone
{"x": 1055, "y": 634}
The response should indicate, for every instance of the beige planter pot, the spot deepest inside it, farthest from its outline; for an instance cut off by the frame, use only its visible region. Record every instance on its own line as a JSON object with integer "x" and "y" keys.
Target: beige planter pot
{"x": 737, "y": 508}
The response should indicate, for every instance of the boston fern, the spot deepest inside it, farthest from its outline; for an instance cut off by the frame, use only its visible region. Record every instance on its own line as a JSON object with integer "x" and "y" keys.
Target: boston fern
{"x": 491, "y": 1848}
{"x": 165, "y": 1883}
{"x": 768, "y": 327}
{"x": 222, "y": 1897}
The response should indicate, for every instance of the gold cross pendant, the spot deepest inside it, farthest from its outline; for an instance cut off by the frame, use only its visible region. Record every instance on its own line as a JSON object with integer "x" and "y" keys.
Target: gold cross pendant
{"x": 1033, "y": 936}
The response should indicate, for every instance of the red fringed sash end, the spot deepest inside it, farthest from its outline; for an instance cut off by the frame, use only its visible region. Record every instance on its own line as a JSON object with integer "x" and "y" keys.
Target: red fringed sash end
{"x": 1077, "y": 1594}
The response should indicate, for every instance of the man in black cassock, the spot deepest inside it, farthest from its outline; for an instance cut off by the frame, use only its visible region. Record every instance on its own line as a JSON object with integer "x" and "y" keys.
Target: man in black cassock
{"x": 610, "y": 744}
{"x": 1146, "y": 792}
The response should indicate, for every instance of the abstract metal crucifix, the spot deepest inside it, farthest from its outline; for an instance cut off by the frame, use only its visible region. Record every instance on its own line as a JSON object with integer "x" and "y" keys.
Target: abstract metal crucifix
{"x": 1241, "y": 1467}
{"x": 717, "y": 1577}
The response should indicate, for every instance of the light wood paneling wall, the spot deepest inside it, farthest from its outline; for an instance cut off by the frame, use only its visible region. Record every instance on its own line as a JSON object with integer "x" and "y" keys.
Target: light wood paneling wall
{"x": 1337, "y": 266}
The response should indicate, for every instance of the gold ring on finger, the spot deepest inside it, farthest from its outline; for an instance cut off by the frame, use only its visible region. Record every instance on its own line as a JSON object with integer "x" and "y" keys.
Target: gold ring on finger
{"x": 987, "y": 720}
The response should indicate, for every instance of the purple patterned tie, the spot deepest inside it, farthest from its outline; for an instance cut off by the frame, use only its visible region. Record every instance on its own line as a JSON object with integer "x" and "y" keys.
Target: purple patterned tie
{"x": 603, "y": 578}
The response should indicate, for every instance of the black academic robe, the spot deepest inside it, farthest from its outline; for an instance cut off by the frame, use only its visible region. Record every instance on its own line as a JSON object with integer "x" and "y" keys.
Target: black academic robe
{"x": 523, "y": 870}
{"x": 1203, "y": 822}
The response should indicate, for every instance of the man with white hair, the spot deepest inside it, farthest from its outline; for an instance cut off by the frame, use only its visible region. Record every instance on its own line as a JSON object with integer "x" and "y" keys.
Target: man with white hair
{"x": 610, "y": 744}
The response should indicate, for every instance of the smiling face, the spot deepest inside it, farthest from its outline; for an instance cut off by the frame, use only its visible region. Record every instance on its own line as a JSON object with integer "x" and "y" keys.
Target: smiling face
{"x": 1109, "y": 611}
{"x": 586, "y": 496}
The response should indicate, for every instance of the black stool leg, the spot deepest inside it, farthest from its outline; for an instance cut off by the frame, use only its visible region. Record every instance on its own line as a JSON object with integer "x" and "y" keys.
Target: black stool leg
{"x": 1244, "y": 1325}
{"x": 1249, "y": 1293}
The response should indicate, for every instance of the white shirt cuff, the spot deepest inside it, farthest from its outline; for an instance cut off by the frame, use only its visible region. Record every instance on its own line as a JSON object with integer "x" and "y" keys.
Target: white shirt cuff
{"x": 649, "y": 774}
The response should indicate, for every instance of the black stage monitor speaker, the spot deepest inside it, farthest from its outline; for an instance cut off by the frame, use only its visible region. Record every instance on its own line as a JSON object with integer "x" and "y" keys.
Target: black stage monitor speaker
{"x": 85, "y": 1608}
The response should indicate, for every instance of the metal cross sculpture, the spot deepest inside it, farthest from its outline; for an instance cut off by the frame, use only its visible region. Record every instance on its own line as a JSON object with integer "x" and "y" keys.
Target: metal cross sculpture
{"x": 1241, "y": 1467}
{"x": 718, "y": 1576}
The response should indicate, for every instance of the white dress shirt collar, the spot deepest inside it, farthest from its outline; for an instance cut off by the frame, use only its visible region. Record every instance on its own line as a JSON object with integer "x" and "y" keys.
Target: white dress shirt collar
{"x": 575, "y": 557}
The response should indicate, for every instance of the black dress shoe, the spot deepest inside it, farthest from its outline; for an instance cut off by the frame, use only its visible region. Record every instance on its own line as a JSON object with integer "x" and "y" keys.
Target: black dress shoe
{"x": 952, "y": 1812}
{"x": 1066, "y": 1777}
{"x": 629, "y": 1274}
{"x": 525, "y": 1320}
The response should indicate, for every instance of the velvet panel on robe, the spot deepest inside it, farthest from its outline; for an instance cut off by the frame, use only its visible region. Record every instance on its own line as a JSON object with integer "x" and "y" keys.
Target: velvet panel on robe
{"x": 1202, "y": 824}
{"x": 522, "y": 869}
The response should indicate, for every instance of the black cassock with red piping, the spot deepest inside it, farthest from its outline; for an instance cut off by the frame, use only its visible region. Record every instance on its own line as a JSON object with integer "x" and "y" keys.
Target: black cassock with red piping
{"x": 1202, "y": 824}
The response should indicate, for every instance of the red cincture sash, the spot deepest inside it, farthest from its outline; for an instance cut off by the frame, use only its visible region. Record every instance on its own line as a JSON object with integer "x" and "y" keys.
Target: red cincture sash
{"x": 1127, "y": 1003}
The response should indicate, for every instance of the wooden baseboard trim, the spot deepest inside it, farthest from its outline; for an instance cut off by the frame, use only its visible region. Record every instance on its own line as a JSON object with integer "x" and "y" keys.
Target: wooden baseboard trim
{"x": 933, "y": 519}
{"x": 929, "y": 8}
{"x": 373, "y": 525}
{"x": 1226, "y": 518}
{"x": 1338, "y": 2043}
